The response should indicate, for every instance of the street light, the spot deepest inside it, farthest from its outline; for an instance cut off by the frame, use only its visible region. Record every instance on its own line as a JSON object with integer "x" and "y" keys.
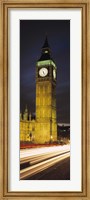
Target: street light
{"x": 50, "y": 130}
{"x": 51, "y": 138}
{"x": 30, "y": 135}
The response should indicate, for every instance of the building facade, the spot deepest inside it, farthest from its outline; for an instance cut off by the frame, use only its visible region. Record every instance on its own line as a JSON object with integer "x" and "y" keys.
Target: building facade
{"x": 27, "y": 127}
{"x": 43, "y": 128}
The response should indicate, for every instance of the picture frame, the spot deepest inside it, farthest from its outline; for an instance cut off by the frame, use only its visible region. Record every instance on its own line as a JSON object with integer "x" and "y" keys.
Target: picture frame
{"x": 85, "y": 7}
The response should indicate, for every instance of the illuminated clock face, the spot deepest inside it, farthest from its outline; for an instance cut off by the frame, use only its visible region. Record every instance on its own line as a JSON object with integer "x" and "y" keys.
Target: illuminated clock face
{"x": 43, "y": 72}
{"x": 54, "y": 74}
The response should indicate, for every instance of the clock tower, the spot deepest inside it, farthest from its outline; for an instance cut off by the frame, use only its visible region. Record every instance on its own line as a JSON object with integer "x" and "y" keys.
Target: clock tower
{"x": 46, "y": 124}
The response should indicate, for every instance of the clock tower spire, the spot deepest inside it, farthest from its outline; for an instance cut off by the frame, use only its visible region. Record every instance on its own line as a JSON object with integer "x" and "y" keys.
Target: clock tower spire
{"x": 46, "y": 125}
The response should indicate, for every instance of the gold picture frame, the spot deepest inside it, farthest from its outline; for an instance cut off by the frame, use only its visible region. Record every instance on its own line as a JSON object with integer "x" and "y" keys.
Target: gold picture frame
{"x": 4, "y": 6}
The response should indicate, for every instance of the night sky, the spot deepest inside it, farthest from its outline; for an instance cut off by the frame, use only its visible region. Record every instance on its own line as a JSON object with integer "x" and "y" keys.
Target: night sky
{"x": 32, "y": 37}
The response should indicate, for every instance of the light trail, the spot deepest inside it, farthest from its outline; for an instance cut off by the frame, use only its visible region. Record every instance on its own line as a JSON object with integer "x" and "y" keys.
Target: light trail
{"x": 40, "y": 157}
{"x": 25, "y": 153}
{"x": 32, "y": 170}
{"x": 32, "y": 156}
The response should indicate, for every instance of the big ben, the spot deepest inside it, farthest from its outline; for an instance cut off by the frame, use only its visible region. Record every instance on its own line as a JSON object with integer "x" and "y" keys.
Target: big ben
{"x": 46, "y": 124}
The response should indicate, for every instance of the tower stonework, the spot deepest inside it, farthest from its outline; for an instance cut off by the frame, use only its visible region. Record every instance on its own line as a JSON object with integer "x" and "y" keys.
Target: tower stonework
{"x": 46, "y": 124}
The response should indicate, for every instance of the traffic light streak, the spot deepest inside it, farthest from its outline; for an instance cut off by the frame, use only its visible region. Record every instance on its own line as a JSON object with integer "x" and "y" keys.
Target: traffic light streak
{"x": 39, "y": 167}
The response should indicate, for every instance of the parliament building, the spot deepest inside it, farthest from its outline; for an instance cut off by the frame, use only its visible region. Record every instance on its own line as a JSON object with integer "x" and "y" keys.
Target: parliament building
{"x": 43, "y": 127}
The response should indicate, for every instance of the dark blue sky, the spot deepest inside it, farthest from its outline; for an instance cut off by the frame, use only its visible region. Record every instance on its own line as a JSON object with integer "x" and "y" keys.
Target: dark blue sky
{"x": 32, "y": 37}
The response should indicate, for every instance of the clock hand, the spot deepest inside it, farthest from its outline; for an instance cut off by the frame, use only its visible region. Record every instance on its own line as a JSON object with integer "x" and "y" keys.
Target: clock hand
{"x": 43, "y": 72}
